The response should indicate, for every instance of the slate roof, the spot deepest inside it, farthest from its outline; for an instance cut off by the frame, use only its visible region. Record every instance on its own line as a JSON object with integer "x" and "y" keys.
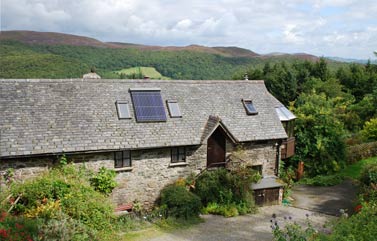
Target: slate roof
{"x": 40, "y": 116}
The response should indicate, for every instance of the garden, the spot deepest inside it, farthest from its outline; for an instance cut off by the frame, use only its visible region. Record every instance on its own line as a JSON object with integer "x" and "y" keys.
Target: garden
{"x": 70, "y": 202}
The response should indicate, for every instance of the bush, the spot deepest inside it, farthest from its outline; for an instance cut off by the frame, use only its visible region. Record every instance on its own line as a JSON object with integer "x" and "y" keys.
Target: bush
{"x": 323, "y": 180}
{"x": 180, "y": 203}
{"x": 362, "y": 151}
{"x": 17, "y": 228}
{"x": 361, "y": 226}
{"x": 104, "y": 181}
{"x": 226, "y": 210}
{"x": 369, "y": 174}
{"x": 227, "y": 189}
{"x": 369, "y": 131}
{"x": 65, "y": 190}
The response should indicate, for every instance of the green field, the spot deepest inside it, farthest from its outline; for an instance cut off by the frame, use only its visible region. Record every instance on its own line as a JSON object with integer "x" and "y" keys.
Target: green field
{"x": 151, "y": 72}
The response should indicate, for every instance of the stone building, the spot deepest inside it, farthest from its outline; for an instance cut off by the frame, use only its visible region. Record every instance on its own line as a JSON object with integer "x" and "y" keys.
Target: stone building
{"x": 151, "y": 132}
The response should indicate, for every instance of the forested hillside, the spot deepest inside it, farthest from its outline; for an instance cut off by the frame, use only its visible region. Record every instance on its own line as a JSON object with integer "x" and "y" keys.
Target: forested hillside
{"x": 29, "y": 54}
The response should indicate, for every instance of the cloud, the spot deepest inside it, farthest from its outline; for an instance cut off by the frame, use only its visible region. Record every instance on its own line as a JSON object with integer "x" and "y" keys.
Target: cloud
{"x": 313, "y": 26}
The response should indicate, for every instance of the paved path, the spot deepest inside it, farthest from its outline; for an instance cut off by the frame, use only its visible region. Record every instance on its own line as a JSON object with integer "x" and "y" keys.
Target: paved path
{"x": 328, "y": 200}
{"x": 254, "y": 227}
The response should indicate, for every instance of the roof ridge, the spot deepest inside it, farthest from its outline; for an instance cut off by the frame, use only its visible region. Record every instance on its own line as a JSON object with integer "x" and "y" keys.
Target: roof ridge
{"x": 78, "y": 80}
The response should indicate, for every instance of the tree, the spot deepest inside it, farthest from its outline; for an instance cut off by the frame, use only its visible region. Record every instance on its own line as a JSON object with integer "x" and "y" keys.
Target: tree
{"x": 319, "y": 134}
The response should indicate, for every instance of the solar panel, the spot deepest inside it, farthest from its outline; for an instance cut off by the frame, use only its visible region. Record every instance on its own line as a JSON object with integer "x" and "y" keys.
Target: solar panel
{"x": 148, "y": 106}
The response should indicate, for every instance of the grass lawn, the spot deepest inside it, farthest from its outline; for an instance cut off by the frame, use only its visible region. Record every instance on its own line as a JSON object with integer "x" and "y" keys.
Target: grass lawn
{"x": 354, "y": 171}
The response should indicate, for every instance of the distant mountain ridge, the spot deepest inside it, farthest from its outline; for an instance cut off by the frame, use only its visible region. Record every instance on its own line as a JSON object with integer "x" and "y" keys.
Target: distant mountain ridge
{"x": 53, "y": 38}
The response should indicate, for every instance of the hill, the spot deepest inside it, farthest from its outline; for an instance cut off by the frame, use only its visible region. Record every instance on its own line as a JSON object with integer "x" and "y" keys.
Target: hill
{"x": 28, "y": 54}
{"x": 51, "y": 38}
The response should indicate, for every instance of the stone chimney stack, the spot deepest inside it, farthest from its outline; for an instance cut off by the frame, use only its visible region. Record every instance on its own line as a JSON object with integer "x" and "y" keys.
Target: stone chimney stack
{"x": 91, "y": 75}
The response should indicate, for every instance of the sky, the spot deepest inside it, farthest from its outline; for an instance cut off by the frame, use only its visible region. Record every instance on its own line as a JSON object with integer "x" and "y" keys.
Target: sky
{"x": 342, "y": 28}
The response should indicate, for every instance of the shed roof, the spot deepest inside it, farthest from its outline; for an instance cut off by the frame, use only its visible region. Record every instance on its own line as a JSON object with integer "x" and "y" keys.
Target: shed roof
{"x": 40, "y": 116}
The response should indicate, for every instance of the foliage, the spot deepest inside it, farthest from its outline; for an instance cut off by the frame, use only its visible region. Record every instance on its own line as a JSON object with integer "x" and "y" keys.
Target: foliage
{"x": 140, "y": 73}
{"x": 104, "y": 181}
{"x": 358, "y": 152}
{"x": 369, "y": 174}
{"x": 62, "y": 193}
{"x": 180, "y": 202}
{"x": 287, "y": 176}
{"x": 227, "y": 189}
{"x": 17, "y": 228}
{"x": 319, "y": 135}
{"x": 359, "y": 227}
{"x": 323, "y": 180}
{"x": 65, "y": 228}
{"x": 369, "y": 132}
{"x": 226, "y": 210}
{"x": 354, "y": 170}
{"x": 292, "y": 230}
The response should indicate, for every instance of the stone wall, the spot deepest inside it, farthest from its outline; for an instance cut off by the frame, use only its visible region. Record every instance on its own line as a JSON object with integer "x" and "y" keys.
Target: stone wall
{"x": 151, "y": 169}
{"x": 256, "y": 153}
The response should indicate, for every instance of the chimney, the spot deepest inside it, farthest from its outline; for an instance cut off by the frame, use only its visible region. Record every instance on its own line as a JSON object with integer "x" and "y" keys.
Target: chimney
{"x": 92, "y": 74}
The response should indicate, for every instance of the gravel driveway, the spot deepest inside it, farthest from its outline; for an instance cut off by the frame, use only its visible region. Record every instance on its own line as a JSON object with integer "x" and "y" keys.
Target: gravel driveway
{"x": 248, "y": 227}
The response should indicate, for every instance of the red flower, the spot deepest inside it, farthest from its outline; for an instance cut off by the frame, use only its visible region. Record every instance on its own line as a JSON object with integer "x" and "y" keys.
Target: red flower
{"x": 358, "y": 208}
{"x": 3, "y": 233}
{"x": 3, "y": 215}
{"x": 19, "y": 226}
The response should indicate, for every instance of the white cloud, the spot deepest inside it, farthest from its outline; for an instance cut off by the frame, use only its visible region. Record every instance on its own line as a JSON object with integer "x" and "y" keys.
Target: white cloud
{"x": 344, "y": 28}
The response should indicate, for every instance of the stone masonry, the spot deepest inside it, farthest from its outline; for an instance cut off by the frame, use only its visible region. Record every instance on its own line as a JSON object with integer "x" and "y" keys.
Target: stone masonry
{"x": 151, "y": 169}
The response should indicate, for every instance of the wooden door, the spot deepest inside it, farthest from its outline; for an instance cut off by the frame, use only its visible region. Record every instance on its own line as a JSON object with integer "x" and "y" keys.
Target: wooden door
{"x": 216, "y": 149}
{"x": 272, "y": 196}
{"x": 259, "y": 197}
{"x": 268, "y": 196}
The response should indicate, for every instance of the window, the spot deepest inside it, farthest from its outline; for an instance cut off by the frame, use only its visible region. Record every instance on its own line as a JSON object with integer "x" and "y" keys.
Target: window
{"x": 123, "y": 110}
{"x": 289, "y": 127}
{"x": 148, "y": 105}
{"x": 257, "y": 168}
{"x": 173, "y": 107}
{"x": 122, "y": 159}
{"x": 249, "y": 107}
{"x": 178, "y": 154}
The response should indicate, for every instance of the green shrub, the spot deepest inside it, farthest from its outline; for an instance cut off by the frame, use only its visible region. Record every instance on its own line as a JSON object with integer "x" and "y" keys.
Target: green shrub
{"x": 226, "y": 210}
{"x": 65, "y": 228}
{"x": 359, "y": 227}
{"x": 369, "y": 174}
{"x": 227, "y": 189}
{"x": 180, "y": 203}
{"x": 104, "y": 181}
{"x": 369, "y": 131}
{"x": 323, "y": 180}
{"x": 362, "y": 151}
{"x": 17, "y": 228}
{"x": 64, "y": 189}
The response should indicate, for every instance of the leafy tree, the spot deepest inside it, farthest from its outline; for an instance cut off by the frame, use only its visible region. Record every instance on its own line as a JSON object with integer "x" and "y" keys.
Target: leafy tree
{"x": 319, "y": 134}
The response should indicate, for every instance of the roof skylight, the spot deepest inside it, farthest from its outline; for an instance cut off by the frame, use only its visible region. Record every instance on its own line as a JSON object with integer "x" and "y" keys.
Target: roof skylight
{"x": 249, "y": 107}
{"x": 123, "y": 109}
{"x": 173, "y": 107}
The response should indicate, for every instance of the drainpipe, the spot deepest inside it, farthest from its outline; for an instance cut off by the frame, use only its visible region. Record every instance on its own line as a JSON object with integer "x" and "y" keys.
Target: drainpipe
{"x": 277, "y": 144}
